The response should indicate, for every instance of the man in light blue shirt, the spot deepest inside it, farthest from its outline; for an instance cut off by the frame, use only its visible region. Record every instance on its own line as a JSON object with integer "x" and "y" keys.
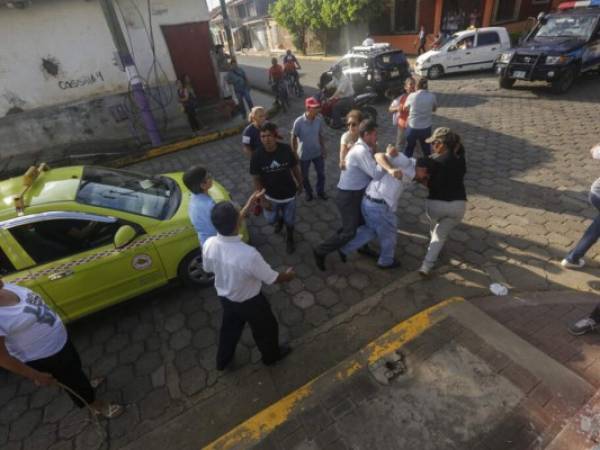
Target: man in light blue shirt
{"x": 198, "y": 181}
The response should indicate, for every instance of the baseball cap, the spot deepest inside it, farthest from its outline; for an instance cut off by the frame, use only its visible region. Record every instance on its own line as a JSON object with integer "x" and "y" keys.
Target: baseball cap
{"x": 440, "y": 134}
{"x": 312, "y": 102}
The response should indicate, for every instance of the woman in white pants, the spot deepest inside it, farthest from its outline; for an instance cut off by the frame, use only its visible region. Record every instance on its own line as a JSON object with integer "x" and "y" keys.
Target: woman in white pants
{"x": 447, "y": 200}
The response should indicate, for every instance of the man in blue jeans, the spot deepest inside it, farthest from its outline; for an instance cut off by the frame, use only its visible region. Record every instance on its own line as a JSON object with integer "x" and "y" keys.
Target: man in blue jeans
{"x": 237, "y": 78}
{"x": 274, "y": 168}
{"x": 420, "y": 106}
{"x": 308, "y": 144}
{"x": 379, "y": 206}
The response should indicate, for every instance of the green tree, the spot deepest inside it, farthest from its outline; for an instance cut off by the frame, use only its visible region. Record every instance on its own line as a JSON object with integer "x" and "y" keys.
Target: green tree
{"x": 295, "y": 15}
{"x": 336, "y": 13}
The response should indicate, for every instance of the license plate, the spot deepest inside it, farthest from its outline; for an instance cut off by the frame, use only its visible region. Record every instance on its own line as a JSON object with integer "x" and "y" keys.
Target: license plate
{"x": 519, "y": 74}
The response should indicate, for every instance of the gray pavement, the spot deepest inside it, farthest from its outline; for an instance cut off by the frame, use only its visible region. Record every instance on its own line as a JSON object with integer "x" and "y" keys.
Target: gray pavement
{"x": 528, "y": 174}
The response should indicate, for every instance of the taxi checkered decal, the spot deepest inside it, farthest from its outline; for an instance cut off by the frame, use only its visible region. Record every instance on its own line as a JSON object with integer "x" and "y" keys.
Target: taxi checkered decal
{"x": 97, "y": 256}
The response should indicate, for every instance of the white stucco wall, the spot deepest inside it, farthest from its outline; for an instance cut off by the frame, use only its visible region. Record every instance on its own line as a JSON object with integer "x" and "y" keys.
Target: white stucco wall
{"x": 73, "y": 35}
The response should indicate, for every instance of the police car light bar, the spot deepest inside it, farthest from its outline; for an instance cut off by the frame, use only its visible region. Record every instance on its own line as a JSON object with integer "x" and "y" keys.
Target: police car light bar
{"x": 579, "y": 4}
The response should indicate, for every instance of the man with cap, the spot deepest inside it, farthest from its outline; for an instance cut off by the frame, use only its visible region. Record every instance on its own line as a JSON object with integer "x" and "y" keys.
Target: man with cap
{"x": 361, "y": 168}
{"x": 308, "y": 143}
{"x": 379, "y": 206}
{"x": 240, "y": 271}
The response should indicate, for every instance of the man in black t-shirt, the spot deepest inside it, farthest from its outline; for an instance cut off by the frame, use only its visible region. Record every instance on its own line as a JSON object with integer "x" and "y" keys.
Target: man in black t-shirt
{"x": 275, "y": 169}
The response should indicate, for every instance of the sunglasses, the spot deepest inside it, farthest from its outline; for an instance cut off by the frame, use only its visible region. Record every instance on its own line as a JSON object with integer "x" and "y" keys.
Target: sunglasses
{"x": 437, "y": 141}
{"x": 352, "y": 124}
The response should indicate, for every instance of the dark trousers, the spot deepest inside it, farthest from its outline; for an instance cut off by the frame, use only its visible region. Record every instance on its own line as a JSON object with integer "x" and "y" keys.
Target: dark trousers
{"x": 65, "y": 366}
{"x": 414, "y": 135}
{"x": 348, "y": 204}
{"x": 319, "y": 164}
{"x": 265, "y": 330}
{"x": 190, "y": 112}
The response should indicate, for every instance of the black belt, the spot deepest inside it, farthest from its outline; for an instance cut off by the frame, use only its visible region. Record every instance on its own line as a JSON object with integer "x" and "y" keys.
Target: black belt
{"x": 375, "y": 200}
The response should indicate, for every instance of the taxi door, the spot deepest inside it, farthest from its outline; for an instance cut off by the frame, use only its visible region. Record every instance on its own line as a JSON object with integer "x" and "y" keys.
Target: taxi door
{"x": 77, "y": 265}
{"x": 462, "y": 56}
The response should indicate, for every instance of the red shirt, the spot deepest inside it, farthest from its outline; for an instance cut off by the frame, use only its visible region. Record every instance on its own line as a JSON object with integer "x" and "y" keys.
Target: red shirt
{"x": 276, "y": 72}
{"x": 289, "y": 66}
{"x": 403, "y": 115}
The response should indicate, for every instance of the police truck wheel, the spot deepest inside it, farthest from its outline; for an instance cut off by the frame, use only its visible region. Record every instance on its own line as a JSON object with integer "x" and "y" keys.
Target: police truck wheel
{"x": 191, "y": 273}
{"x": 435, "y": 72}
{"x": 506, "y": 83}
{"x": 565, "y": 81}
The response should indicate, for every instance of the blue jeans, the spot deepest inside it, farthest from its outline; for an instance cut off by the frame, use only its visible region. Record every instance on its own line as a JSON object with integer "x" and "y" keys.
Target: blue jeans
{"x": 381, "y": 223}
{"x": 287, "y": 211}
{"x": 417, "y": 134}
{"x": 590, "y": 236}
{"x": 319, "y": 164}
{"x": 241, "y": 96}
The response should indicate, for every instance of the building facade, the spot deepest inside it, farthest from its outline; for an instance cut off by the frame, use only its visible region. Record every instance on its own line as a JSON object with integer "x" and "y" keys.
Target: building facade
{"x": 400, "y": 25}
{"x": 61, "y": 83}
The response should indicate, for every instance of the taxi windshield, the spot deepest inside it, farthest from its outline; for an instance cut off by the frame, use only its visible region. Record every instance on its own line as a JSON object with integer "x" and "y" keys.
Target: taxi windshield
{"x": 579, "y": 27}
{"x": 157, "y": 197}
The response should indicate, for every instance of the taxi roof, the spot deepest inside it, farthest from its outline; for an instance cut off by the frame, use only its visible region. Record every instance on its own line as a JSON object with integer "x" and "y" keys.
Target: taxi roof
{"x": 54, "y": 185}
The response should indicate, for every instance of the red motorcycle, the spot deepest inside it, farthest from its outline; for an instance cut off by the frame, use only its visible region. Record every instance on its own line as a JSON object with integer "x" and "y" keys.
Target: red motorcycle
{"x": 362, "y": 102}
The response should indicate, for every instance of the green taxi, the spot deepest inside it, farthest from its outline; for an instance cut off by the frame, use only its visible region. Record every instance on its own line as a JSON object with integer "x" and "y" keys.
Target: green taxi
{"x": 88, "y": 237}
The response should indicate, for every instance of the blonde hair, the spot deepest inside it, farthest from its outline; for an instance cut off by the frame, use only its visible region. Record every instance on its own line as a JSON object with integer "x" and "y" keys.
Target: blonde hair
{"x": 253, "y": 112}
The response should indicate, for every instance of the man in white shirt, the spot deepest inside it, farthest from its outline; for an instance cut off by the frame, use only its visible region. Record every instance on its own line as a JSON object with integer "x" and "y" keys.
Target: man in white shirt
{"x": 240, "y": 271}
{"x": 343, "y": 96}
{"x": 379, "y": 206}
{"x": 420, "y": 106}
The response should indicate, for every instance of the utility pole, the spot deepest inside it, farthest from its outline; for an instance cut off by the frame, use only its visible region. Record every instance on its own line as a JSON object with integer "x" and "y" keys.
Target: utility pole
{"x": 137, "y": 85}
{"x": 227, "y": 26}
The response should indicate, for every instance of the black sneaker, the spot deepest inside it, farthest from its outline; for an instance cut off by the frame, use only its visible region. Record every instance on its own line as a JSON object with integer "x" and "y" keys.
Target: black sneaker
{"x": 583, "y": 326}
{"x": 323, "y": 196}
{"x": 284, "y": 350}
{"x": 319, "y": 261}
{"x": 368, "y": 251}
{"x": 343, "y": 256}
{"x": 394, "y": 265}
{"x": 309, "y": 197}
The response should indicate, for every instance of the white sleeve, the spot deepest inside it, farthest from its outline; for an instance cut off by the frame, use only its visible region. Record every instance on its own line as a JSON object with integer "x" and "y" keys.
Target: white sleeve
{"x": 206, "y": 261}
{"x": 261, "y": 270}
{"x": 368, "y": 165}
{"x": 596, "y": 151}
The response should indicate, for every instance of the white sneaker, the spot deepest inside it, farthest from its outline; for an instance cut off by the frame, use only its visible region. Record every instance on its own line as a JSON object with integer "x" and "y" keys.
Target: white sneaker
{"x": 424, "y": 271}
{"x": 569, "y": 265}
{"x": 583, "y": 326}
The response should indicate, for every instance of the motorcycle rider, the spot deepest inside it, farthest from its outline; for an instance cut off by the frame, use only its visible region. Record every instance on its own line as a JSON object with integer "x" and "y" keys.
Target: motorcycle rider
{"x": 275, "y": 78}
{"x": 291, "y": 66}
{"x": 343, "y": 95}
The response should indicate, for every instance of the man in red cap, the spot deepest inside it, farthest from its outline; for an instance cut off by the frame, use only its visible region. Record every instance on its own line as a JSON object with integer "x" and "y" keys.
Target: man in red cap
{"x": 309, "y": 145}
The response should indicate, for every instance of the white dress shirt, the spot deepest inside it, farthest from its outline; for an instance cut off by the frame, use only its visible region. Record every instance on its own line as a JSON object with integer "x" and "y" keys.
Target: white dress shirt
{"x": 388, "y": 188}
{"x": 239, "y": 269}
{"x": 421, "y": 106}
{"x": 343, "y": 86}
{"x": 361, "y": 168}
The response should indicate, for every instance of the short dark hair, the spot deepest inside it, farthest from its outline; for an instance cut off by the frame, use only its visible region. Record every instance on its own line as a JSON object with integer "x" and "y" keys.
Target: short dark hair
{"x": 194, "y": 177}
{"x": 224, "y": 217}
{"x": 422, "y": 83}
{"x": 367, "y": 126}
{"x": 269, "y": 127}
{"x": 425, "y": 162}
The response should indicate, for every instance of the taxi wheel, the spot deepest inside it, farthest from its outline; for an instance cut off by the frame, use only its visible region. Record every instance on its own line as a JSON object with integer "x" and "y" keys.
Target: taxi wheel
{"x": 190, "y": 270}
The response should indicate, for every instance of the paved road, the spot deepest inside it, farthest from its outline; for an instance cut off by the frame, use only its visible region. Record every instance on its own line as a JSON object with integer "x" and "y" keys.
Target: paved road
{"x": 528, "y": 173}
{"x": 256, "y": 69}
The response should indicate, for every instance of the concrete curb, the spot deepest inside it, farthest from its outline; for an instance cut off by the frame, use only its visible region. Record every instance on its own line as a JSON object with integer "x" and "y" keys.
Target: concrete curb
{"x": 183, "y": 145}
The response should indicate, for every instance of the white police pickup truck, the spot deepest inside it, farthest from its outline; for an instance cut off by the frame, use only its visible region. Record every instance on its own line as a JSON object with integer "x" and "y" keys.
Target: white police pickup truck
{"x": 468, "y": 50}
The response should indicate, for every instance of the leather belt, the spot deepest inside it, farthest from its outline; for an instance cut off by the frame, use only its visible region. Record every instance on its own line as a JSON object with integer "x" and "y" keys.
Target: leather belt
{"x": 375, "y": 200}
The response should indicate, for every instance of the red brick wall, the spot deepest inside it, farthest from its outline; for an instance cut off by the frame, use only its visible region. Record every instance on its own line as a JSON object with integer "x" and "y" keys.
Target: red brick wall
{"x": 427, "y": 15}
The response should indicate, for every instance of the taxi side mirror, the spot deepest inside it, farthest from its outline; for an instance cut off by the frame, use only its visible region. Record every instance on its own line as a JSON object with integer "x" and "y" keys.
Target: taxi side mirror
{"x": 124, "y": 235}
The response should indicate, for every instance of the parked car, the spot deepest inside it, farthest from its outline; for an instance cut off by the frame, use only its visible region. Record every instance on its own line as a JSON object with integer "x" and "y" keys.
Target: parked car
{"x": 558, "y": 49}
{"x": 469, "y": 50}
{"x": 375, "y": 68}
{"x": 87, "y": 237}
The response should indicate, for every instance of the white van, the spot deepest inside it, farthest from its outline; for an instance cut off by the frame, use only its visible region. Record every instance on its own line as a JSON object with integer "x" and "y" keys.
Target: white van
{"x": 472, "y": 49}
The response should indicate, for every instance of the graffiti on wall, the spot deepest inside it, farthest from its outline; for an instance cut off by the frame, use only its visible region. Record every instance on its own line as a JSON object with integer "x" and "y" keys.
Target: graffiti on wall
{"x": 86, "y": 80}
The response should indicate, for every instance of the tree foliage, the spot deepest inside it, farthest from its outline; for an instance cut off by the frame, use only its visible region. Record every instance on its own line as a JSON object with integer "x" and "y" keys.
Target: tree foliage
{"x": 318, "y": 16}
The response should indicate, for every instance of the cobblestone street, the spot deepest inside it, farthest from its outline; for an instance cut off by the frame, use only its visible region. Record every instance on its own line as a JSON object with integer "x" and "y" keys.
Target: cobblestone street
{"x": 529, "y": 171}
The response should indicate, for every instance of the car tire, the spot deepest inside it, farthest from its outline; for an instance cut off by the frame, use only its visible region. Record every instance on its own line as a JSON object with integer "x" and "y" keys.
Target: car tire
{"x": 506, "y": 83}
{"x": 565, "y": 81}
{"x": 369, "y": 112}
{"x": 435, "y": 72}
{"x": 191, "y": 273}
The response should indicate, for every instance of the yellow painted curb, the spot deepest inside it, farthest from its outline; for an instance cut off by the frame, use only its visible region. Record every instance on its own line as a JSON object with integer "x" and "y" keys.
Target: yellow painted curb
{"x": 260, "y": 425}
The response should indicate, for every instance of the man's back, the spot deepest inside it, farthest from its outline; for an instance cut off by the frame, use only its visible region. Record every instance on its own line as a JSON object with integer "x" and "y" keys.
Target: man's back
{"x": 422, "y": 104}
